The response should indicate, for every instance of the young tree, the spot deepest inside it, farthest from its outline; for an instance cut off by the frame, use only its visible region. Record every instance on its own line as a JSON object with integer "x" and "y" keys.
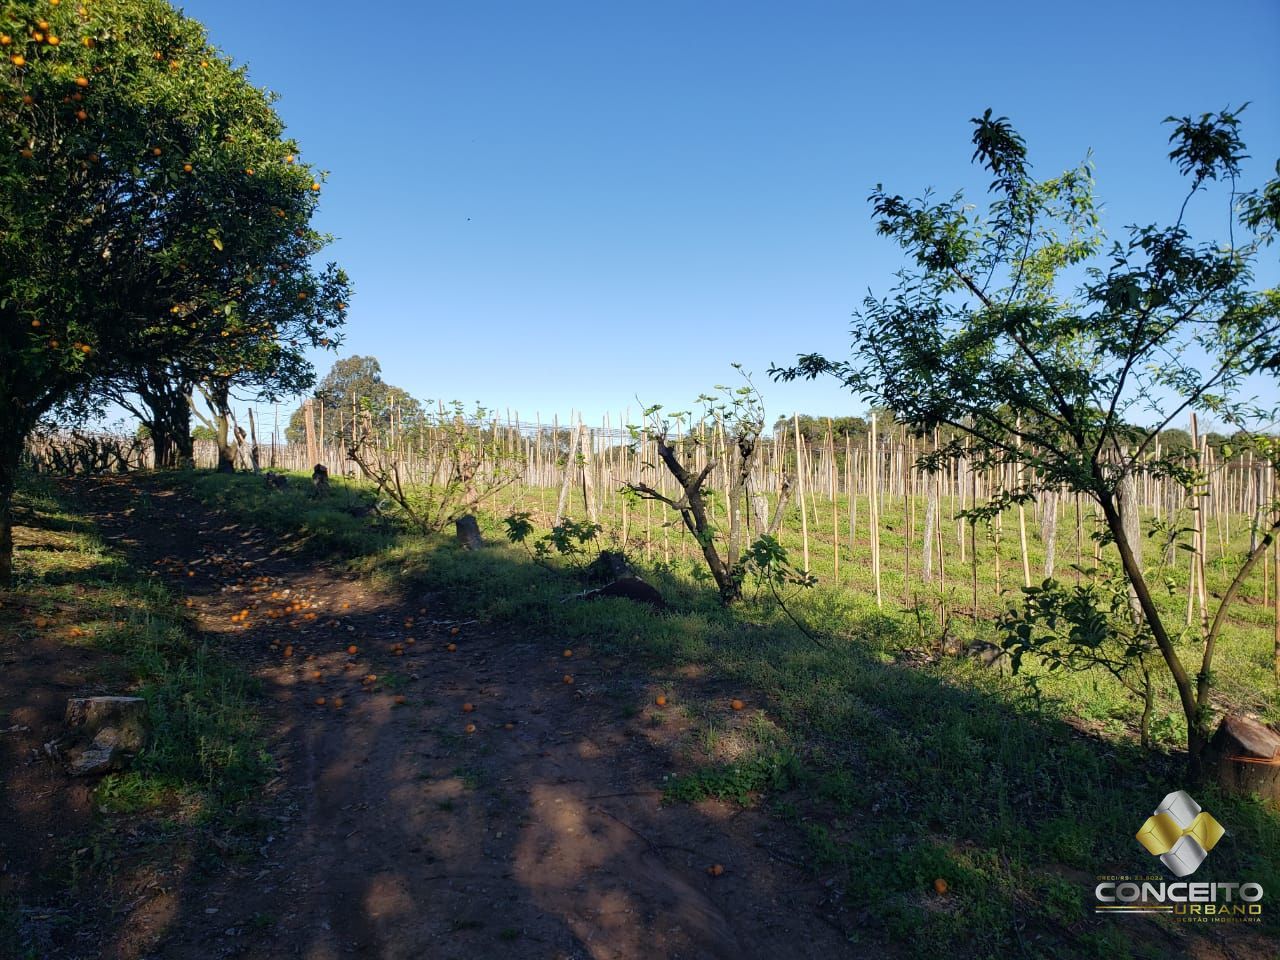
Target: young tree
{"x": 733, "y": 423}
{"x": 1023, "y": 331}
{"x": 144, "y": 184}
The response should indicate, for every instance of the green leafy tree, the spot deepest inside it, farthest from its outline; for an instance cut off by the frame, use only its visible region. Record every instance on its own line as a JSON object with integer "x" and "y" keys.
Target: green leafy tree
{"x": 1028, "y": 334}
{"x": 145, "y": 187}
{"x": 354, "y": 387}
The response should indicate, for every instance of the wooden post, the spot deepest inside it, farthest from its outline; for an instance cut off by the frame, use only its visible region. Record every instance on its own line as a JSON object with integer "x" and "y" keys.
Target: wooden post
{"x": 804, "y": 519}
{"x": 309, "y": 422}
{"x": 835, "y": 503}
{"x": 570, "y": 467}
{"x": 1022, "y": 522}
{"x": 253, "y": 439}
{"x": 585, "y": 442}
{"x": 1275, "y": 566}
{"x": 873, "y": 511}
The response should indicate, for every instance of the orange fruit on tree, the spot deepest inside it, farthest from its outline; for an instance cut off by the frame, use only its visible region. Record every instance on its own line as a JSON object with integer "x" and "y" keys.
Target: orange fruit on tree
{"x": 470, "y": 728}
{"x": 337, "y": 702}
{"x": 82, "y": 81}
{"x": 715, "y": 869}
{"x": 353, "y": 649}
{"x": 320, "y": 701}
{"x": 156, "y": 151}
{"x": 940, "y": 885}
{"x": 660, "y": 700}
{"x": 452, "y": 647}
{"x": 315, "y": 186}
{"x": 453, "y": 631}
{"x": 399, "y": 698}
{"x": 18, "y": 60}
{"x": 54, "y": 41}
{"x": 568, "y": 679}
{"x": 186, "y": 168}
{"x": 568, "y": 653}
{"x": 35, "y": 323}
{"x": 737, "y": 704}
{"x": 26, "y": 153}
{"x": 82, "y": 115}
{"x": 5, "y": 40}
{"x": 28, "y": 99}
{"x": 468, "y": 707}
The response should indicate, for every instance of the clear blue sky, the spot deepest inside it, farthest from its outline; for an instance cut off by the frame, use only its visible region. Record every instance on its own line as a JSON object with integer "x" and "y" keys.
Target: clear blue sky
{"x": 552, "y": 206}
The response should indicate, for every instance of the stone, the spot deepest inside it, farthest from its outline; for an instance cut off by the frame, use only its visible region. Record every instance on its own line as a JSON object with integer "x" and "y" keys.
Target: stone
{"x": 91, "y": 761}
{"x": 107, "y": 730}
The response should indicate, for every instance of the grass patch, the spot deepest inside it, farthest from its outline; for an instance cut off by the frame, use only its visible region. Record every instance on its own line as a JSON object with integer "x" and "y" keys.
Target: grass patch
{"x": 741, "y": 782}
{"x": 204, "y": 748}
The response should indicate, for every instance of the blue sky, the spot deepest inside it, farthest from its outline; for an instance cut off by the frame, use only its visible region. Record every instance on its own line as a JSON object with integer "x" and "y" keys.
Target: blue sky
{"x": 553, "y": 206}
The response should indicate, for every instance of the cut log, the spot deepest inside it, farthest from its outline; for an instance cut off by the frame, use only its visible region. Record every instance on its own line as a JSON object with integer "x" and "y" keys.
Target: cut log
{"x": 1244, "y": 758}
{"x": 633, "y": 589}
{"x": 469, "y": 533}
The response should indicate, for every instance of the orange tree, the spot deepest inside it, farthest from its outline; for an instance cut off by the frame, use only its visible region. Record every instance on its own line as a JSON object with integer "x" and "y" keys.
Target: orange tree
{"x": 151, "y": 212}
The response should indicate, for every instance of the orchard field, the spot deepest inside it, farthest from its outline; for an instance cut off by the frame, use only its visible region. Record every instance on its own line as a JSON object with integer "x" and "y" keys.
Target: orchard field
{"x": 980, "y": 658}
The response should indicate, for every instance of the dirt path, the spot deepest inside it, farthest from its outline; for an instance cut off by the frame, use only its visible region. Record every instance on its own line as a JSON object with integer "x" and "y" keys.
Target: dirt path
{"x": 401, "y": 826}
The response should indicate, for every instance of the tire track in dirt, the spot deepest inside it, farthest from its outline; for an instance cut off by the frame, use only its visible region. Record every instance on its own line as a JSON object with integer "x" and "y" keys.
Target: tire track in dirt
{"x": 395, "y": 832}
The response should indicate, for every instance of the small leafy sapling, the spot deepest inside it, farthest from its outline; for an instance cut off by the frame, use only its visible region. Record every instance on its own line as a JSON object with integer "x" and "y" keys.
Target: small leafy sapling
{"x": 465, "y": 464}
{"x": 570, "y": 541}
{"x": 767, "y": 565}
{"x": 723, "y": 435}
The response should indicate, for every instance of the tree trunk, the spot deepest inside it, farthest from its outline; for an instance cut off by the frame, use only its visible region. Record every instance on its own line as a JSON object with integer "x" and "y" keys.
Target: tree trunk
{"x": 218, "y": 396}
{"x": 1197, "y": 737}
{"x": 163, "y": 449}
{"x": 10, "y": 452}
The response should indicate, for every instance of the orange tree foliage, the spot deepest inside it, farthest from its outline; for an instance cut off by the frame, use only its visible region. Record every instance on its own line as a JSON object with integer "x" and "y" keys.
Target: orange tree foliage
{"x": 151, "y": 211}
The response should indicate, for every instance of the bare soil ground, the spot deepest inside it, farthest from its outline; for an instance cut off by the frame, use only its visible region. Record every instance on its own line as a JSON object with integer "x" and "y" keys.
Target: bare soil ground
{"x": 398, "y": 824}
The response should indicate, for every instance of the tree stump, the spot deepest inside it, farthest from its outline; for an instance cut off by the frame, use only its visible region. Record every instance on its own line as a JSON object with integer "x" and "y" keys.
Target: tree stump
{"x": 320, "y": 481}
{"x": 1244, "y": 758}
{"x": 469, "y": 533}
{"x": 611, "y": 565}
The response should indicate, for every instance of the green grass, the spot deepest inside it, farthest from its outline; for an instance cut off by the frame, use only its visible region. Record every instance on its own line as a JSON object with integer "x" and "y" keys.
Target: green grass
{"x": 124, "y": 633}
{"x": 739, "y": 782}
{"x": 899, "y": 769}
{"x": 204, "y": 748}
